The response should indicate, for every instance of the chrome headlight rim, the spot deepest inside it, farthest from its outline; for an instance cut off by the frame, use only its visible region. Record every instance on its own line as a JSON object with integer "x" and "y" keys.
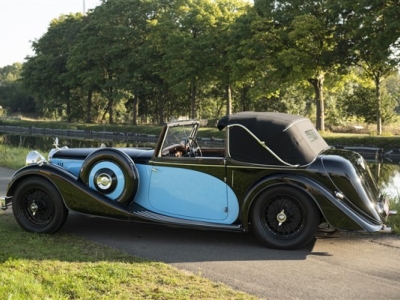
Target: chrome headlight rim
{"x": 34, "y": 157}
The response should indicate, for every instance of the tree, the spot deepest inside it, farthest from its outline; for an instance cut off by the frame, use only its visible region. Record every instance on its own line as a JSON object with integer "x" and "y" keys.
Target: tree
{"x": 374, "y": 34}
{"x": 225, "y": 46}
{"x": 96, "y": 57}
{"x": 116, "y": 56}
{"x": 304, "y": 43}
{"x": 13, "y": 97}
{"x": 44, "y": 73}
{"x": 182, "y": 33}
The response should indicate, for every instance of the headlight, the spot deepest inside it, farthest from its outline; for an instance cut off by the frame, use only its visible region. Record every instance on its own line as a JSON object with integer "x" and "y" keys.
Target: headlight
{"x": 34, "y": 157}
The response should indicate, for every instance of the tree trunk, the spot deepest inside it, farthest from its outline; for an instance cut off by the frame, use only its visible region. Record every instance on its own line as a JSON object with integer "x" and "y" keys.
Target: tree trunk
{"x": 110, "y": 105}
{"x": 318, "y": 84}
{"x": 378, "y": 104}
{"x": 135, "y": 109}
{"x": 228, "y": 99}
{"x": 161, "y": 106}
{"x": 193, "y": 95}
{"x": 68, "y": 100}
{"x": 243, "y": 97}
{"x": 111, "y": 111}
{"x": 89, "y": 107}
{"x": 103, "y": 118}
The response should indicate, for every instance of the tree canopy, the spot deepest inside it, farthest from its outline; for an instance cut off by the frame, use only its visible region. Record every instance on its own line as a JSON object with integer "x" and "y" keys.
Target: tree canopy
{"x": 148, "y": 61}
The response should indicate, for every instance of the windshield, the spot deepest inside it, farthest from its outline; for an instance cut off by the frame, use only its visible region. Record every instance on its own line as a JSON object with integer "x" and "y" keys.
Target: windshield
{"x": 179, "y": 134}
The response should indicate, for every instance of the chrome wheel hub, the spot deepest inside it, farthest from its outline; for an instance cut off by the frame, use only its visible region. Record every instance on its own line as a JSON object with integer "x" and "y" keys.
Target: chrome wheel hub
{"x": 281, "y": 217}
{"x": 34, "y": 208}
{"x": 104, "y": 181}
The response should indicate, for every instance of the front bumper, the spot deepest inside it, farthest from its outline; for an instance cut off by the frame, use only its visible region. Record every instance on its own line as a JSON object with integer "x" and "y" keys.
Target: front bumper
{"x": 383, "y": 208}
{"x": 5, "y": 202}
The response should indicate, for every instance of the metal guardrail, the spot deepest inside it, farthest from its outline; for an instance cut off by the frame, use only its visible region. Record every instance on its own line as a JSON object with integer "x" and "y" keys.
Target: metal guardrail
{"x": 376, "y": 154}
{"x": 94, "y": 135}
{"x": 76, "y": 133}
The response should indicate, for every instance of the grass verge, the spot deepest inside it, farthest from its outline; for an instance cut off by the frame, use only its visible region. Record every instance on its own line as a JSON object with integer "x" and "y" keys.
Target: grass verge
{"x": 67, "y": 267}
{"x": 12, "y": 157}
{"x": 63, "y": 266}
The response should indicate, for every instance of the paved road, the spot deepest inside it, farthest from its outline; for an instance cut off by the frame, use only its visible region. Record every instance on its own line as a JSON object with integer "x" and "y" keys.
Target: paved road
{"x": 339, "y": 266}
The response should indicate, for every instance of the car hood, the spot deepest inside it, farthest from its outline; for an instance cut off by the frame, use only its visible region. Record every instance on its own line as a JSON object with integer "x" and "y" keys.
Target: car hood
{"x": 136, "y": 154}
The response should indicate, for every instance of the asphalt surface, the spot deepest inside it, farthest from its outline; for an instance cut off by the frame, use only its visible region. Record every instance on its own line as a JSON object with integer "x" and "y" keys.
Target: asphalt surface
{"x": 336, "y": 266}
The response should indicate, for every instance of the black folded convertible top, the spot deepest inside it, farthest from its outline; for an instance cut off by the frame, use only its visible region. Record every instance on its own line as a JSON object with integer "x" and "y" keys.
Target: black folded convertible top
{"x": 272, "y": 138}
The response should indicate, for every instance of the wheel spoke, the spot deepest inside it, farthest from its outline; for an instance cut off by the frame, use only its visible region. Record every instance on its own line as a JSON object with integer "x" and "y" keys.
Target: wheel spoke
{"x": 283, "y": 216}
{"x": 38, "y": 207}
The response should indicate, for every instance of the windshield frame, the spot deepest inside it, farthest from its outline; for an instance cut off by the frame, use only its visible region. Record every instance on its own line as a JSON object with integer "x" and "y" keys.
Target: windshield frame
{"x": 178, "y": 132}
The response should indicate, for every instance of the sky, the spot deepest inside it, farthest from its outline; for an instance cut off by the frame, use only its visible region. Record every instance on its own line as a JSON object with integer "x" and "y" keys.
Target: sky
{"x": 23, "y": 21}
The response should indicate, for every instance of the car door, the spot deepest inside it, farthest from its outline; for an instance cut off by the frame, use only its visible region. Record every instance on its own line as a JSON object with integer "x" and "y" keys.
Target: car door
{"x": 189, "y": 188}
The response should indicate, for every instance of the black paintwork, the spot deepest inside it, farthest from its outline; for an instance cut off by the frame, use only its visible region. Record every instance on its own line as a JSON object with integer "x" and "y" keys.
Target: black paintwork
{"x": 318, "y": 172}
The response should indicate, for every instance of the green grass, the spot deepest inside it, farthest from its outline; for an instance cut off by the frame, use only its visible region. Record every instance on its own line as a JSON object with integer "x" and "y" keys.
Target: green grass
{"x": 12, "y": 157}
{"x": 62, "y": 266}
{"x": 67, "y": 267}
{"x": 362, "y": 140}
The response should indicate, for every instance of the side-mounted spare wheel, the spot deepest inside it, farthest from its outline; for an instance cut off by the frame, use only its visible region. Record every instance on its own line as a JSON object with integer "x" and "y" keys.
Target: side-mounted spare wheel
{"x": 284, "y": 217}
{"x": 38, "y": 206}
{"x": 112, "y": 173}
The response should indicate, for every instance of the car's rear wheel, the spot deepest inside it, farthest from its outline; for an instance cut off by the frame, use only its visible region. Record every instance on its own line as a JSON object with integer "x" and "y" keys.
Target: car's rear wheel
{"x": 284, "y": 218}
{"x": 38, "y": 207}
{"x": 112, "y": 173}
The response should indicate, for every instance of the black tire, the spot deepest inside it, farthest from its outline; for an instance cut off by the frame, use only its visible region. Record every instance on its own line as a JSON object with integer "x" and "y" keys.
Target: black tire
{"x": 38, "y": 207}
{"x": 118, "y": 171}
{"x": 299, "y": 218}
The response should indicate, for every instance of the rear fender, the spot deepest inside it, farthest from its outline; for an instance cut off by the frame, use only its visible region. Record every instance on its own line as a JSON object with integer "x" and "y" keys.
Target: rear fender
{"x": 335, "y": 213}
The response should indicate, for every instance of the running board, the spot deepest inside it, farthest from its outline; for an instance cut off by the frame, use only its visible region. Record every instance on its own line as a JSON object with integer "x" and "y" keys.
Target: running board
{"x": 147, "y": 215}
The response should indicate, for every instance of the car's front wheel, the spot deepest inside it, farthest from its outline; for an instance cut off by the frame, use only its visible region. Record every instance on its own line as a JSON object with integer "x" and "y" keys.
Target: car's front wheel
{"x": 284, "y": 218}
{"x": 38, "y": 207}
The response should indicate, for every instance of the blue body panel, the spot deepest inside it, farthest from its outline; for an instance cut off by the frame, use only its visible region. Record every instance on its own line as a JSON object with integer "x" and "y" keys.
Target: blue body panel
{"x": 174, "y": 192}
{"x": 72, "y": 166}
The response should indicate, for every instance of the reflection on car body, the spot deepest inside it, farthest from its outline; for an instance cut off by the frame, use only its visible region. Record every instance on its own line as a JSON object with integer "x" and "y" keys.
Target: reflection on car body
{"x": 275, "y": 175}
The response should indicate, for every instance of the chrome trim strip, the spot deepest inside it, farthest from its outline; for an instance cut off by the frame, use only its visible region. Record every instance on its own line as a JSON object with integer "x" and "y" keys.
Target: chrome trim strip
{"x": 143, "y": 213}
{"x": 183, "y": 164}
{"x": 258, "y": 166}
{"x": 294, "y": 123}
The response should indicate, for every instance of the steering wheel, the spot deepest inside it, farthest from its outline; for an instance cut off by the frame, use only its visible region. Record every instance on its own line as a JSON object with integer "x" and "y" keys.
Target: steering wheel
{"x": 193, "y": 148}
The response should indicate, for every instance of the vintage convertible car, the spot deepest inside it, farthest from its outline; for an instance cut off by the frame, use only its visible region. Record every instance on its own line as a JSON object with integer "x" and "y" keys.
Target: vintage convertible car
{"x": 275, "y": 175}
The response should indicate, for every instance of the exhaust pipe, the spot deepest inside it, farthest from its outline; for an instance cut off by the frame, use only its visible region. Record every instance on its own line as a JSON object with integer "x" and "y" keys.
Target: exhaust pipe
{"x": 3, "y": 203}
{"x": 385, "y": 229}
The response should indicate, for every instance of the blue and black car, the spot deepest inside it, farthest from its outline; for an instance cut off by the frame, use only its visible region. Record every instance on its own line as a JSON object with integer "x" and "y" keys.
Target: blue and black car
{"x": 274, "y": 175}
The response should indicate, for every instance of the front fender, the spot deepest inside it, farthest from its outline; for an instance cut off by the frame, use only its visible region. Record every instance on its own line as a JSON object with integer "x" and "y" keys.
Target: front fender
{"x": 76, "y": 195}
{"x": 336, "y": 213}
